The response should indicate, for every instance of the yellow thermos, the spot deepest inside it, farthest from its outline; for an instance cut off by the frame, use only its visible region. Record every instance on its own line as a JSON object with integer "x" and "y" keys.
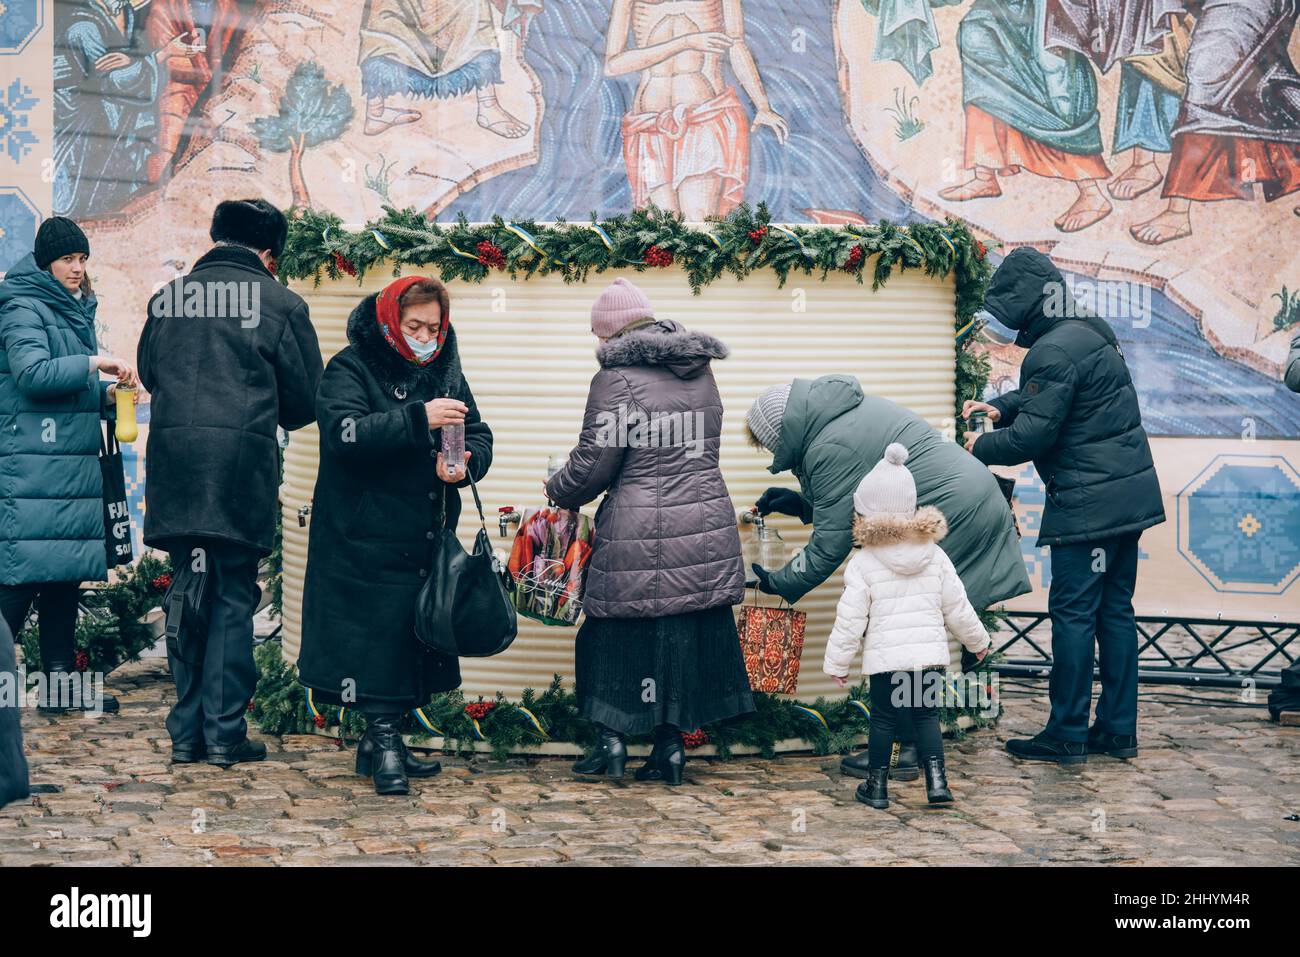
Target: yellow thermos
{"x": 126, "y": 430}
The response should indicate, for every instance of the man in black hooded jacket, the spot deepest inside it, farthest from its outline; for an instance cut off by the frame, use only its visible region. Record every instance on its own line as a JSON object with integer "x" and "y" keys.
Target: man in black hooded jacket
{"x": 1076, "y": 417}
{"x": 227, "y": 354}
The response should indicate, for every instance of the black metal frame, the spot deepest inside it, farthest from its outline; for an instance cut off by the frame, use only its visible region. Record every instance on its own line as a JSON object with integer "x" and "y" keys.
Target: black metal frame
{"x": 1162, "y": 666}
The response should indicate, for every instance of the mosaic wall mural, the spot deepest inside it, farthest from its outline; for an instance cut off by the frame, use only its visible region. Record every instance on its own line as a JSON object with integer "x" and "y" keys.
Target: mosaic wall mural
{"x": 1152, "y": 147}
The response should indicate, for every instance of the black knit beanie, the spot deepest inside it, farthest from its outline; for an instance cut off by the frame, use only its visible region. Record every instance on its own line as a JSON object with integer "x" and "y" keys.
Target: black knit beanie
{"x": 250, "y": 222}
{"x": 57, "y": 237}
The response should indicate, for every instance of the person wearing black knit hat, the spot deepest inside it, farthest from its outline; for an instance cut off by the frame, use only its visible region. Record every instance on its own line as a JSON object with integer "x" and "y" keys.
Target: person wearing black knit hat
{"x": 220, "y": 384}
{"x": 51, "y": 487}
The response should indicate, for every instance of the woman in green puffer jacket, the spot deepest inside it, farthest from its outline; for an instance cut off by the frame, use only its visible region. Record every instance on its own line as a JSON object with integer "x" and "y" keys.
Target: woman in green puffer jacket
{"x": 52, "y": 402}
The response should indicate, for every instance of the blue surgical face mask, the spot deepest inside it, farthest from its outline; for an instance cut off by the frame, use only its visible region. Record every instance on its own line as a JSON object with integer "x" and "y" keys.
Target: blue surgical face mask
{"x": 422, "y": 350}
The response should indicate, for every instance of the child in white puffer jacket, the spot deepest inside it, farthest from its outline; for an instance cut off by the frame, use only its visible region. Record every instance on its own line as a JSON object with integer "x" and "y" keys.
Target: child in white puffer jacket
{"x": 902, "y": 595}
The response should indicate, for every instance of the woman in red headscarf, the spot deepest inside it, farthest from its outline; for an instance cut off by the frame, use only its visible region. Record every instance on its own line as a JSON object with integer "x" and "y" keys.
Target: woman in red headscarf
{"x": 382, "y": 493}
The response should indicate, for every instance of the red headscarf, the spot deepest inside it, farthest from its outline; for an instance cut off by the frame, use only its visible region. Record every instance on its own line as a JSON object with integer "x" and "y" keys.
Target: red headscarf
{"x": 388, "y": 311}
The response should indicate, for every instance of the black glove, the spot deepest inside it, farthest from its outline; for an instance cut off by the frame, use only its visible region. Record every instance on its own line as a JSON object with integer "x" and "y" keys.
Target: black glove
{"x": 764, "y": 579}
{"x": 782, "y": 500}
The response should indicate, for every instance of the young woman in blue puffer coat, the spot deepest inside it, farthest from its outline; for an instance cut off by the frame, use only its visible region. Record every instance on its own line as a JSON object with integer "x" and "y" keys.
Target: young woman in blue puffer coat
{"x": 52, "y": 401}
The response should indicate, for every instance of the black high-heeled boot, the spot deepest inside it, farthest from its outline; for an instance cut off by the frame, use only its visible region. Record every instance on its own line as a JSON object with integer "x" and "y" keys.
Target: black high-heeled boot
{"x": 383, "y": 759}
{"x": 936, "y": 781}
{"x": 874, "y": 791}
{"x": 415, "y": 767}
{"x": 609, "y": 758}
{"x": 667, "y": 760}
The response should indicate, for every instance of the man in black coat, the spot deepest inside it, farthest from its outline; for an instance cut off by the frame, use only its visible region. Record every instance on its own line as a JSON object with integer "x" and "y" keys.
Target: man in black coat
{"x": 1076, "y": 417}
{"x": 227, "y": 354}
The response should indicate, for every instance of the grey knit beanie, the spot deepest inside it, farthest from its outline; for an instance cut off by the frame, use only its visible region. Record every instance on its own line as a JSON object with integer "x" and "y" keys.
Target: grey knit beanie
{"x": 889, "y": 488}
{"x": 765, "y": 415}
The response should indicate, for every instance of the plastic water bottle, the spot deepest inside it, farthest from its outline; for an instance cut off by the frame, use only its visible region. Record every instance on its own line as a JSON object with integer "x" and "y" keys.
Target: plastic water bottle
{"x": 453, "y": 449}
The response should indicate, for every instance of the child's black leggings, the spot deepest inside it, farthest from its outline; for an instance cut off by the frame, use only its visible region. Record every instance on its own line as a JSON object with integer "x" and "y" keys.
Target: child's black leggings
{"x": 885, "y": 714}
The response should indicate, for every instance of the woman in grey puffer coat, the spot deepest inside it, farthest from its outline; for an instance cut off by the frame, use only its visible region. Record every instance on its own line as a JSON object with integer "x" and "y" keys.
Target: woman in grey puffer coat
{"x": 658, "y": 649}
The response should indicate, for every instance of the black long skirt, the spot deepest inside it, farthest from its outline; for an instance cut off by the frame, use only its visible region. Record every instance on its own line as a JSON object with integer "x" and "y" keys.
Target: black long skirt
{"x": 684, "y": 670}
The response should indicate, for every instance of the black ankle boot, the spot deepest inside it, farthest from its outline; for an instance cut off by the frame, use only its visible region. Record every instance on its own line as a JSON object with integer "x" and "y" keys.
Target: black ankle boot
{"x": 907, "y": 766}
{"x": 57, "y": 697}
{"x": 609, "y": 758}
{"x": 383, "y": 759}
{"x": 936, "y": 781}
{"x": 415, "y": 767}
{"x": 874, "y": 791}
{"x": 667, "y": 761}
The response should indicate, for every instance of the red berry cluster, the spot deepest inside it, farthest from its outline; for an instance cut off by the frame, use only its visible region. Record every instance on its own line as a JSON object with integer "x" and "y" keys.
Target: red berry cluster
{"x": 162, "y": 582}
{"x": 83, "y": 661}
{"x": 250, "y": 704}
{"x": 659, "y": 258}
{"x": 694, "y": 739}
{"x": 478, "y": 710}
{"x": 319, "y": 720}
{"x": 980, "y": 250}
{"x": 854, "y": 262}
{"x": 345, "y": 264}
{"x": 490, "y": 255}
{"x": 756, "y": 235}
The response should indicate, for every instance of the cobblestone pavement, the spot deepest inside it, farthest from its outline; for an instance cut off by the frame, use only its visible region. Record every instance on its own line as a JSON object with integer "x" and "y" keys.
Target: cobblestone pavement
{"x": 1212, "y": 786}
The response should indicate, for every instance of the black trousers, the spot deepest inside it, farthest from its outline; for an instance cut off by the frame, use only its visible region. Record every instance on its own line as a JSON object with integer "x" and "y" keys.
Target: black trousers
{"x": 214, "y": 672}
{"x": 56, "y": 614}
{"x": 1091, "y": 604}
{"x": 886, "y": 713}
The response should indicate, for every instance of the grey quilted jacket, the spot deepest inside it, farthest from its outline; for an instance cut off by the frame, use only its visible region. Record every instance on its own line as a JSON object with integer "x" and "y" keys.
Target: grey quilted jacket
{"x": 666, "y": 539}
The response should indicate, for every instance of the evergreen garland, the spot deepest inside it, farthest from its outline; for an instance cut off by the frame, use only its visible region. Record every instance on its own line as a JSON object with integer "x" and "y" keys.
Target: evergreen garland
{"x": 280, "y": 707}
{"x": 740, "y": 243}
{"x": 109, "y": 629}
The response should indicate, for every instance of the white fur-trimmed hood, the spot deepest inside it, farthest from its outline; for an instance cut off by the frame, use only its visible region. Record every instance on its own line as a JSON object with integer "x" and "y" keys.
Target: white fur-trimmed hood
{"x": 927, "y": 525}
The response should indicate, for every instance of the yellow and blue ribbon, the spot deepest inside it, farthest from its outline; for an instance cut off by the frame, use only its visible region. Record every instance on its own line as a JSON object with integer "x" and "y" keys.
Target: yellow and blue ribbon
{"x": 861, "y": 706}
{"x": 791, "y": 234}
{"x": 604, "y": 236}
{"x": 379, "y": 238}
{"x": 812, "y": 713}
{"x": 311, "y": 705}
{"x": 534, "y": 721}
{"x": 461, "y": 252}
{"x": 424, "y": 722}
{"x": 527, "y": 237}
{"x": 944, "y": 237}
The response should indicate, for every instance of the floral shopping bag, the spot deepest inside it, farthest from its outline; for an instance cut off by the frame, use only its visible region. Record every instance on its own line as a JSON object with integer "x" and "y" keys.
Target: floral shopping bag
{"x": 771, "y": 641}
{"x": 548, "y": 564}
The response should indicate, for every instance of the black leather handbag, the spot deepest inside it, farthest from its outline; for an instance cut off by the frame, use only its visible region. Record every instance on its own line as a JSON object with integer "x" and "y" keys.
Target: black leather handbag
{"x": 464, "y": 608}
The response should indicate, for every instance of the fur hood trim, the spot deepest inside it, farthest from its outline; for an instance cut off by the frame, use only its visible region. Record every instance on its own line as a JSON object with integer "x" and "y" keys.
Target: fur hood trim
{"x": 394, "y": 372}
{"x": 662, "y": 343}
{"x": 927, "y": 525}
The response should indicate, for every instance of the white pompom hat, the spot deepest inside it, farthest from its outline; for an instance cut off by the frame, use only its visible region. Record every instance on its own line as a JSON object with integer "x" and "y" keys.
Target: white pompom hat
{"x": 888, "y": 489}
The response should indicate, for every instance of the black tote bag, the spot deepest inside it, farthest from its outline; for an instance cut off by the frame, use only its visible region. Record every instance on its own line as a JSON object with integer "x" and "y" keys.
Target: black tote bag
{"x": 117, "y": 515}
{"x": 464, "y": 608}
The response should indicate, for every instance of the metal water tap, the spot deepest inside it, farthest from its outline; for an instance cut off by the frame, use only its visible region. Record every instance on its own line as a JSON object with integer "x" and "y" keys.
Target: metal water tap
{"x": 507, "y": 516}
{"x": 751, "y": 517}
{"x": 303, "y": 512}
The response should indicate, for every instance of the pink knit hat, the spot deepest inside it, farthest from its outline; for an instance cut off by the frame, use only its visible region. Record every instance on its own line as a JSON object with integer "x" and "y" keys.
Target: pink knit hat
{"x": 620, "y": 304}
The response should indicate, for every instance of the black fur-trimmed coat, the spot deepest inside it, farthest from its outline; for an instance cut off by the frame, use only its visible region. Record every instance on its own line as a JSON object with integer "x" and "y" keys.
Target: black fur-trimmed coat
{"x": 666, "y": 539}
{"x": 377, "y": 506}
